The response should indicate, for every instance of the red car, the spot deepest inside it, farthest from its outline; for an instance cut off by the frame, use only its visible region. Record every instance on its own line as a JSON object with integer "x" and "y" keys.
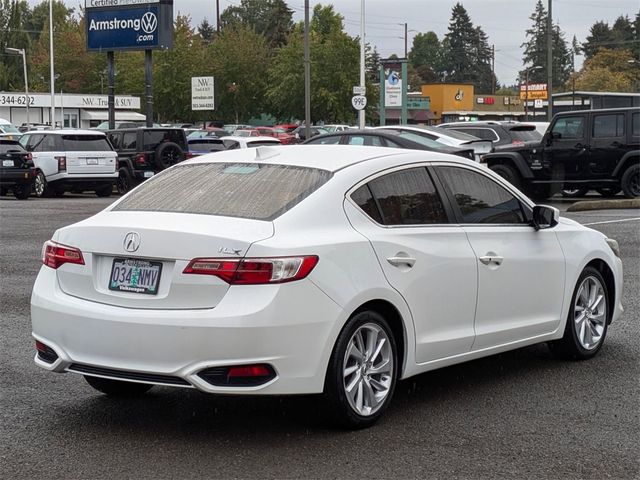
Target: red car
{"x": 277, "y": 132}
{"x": 287, "y": 127}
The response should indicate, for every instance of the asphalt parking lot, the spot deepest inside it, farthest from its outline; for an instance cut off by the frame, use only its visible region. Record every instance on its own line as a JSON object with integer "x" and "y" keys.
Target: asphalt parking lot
{"x": 521, "y": 414}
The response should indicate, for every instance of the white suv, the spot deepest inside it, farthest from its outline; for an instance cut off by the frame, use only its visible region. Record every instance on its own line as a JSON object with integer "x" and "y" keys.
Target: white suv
{"x": 75, "y": 160}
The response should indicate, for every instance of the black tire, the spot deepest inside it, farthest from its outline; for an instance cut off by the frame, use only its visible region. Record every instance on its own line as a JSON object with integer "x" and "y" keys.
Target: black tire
{"x": 40, "y": 186}
{"x": 104, "y": 190}
{"x": 117, "y": 388}
{"x": 608, "y": 191}
{"x": 630, "y": 181}
{"x": 574, "y": 192}
{"x": 124, "y": 183}
{"x": 339, "y": 409}
{"x": 168, "y": 154}
{"x": 509, "y": 174}
{"x": 570, "y": 345}
{"x": 22, "y": 192}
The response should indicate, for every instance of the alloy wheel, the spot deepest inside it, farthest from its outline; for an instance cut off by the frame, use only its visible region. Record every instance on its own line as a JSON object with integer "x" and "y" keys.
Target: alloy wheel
{"x": 39, "y": 184}
{"x": 368, "y": 369}
{"x": 590, "y": 313}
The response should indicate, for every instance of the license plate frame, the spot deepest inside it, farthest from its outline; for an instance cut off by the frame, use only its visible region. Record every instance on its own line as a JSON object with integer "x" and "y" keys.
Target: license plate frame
{"x": 136, "y": 268}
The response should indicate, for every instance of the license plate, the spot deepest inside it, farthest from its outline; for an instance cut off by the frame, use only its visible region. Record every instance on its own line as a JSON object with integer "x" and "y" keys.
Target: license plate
{"x": 148, "y": 174}
{"x": 92, "y": 161}
{"x": 7, "y": 163}
{"x": 135, "y": 276}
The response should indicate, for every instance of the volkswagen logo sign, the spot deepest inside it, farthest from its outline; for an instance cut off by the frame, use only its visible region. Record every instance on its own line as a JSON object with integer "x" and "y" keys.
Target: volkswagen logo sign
{"x": 131, "y": 242}
{"x": 149, "y": 22}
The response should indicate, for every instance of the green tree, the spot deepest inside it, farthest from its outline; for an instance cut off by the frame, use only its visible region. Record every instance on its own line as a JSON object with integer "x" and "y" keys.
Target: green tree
{"x": 271, "y": 18}
{"x": 12, "y": 34}
{"x": 206, "y": 30}
{"x": 466, "y": 56}
{"x": 424, "y": 56}
{"x": 535, "y": 50}
{"x": 600, "y": 36}
{"x": 609, "y": 70}
{"x": 334, "y": 70}
{"x": 372, "y": 61}
{"x": 238, "y": 59}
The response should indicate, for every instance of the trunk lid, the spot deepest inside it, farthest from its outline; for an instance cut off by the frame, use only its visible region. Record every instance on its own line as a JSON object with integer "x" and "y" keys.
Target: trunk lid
{"x": 165, "y": 242}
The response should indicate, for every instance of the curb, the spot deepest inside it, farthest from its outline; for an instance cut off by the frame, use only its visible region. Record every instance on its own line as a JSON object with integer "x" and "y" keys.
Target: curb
{"x": 604, "y": 205}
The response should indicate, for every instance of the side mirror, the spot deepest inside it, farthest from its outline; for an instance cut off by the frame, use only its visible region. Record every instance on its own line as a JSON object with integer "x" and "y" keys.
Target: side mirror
{"x": 545, "y": 217}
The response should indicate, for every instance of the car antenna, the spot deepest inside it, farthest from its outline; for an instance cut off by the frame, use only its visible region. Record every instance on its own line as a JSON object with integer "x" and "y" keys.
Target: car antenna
{"x": 263, "y": 153}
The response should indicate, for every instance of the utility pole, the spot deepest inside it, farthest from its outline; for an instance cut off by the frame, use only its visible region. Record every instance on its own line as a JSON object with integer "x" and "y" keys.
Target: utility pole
{"x": 493, "y": 69}
{"x": 362, "y": 84}
{"x": 405, "y": 39}
{"x": 52, "y": 113}
{"x": 218, "y": 16}
{"x": 549, "y": 65}
{"x": 307, "y": 74}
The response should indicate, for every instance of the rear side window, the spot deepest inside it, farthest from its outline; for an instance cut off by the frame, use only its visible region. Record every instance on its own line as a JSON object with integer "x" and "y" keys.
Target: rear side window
{"x": 334, "y": 140}
{"x": 635, "y": 124}
{"x": 152, "y": 138}
{"x": 406, "y": 197}
{"x": 86, "y": 143}
{"x": 129, "y": 140}
{"x": 608, "y": 125}
{"x": 366, "y": 140}
{"x": 114, "y": 138}
{"x": 483, "y": 133}
{"x": 480, "y": 199}
{"x": 245, "y": 190}
{"x": 528, "y": 134}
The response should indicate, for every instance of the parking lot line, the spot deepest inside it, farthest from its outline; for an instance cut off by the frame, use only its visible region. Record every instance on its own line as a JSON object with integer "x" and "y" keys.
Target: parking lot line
{"x": 613, "y": 221}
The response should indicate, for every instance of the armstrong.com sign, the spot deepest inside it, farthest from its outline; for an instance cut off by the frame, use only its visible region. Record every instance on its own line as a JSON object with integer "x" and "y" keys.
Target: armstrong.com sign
{"x": 130, "y": 28}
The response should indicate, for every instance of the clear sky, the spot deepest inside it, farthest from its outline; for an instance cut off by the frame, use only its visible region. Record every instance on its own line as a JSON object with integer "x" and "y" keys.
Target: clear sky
{"x": 504, "y": 21}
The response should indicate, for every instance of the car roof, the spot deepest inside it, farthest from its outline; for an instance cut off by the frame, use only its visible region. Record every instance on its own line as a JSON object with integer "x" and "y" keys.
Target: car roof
{"x": 66, "y": 131}
{"x": 326, "y": 157}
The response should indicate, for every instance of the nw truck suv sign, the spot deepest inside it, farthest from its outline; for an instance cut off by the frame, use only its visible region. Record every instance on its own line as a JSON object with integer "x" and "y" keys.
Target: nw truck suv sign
{"x": 137, "y": 27}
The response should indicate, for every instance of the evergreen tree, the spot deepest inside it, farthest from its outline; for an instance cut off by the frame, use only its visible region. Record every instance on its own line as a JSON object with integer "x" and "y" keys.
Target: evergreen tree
{"x": 535, "y": 50}
{"x": 600, "y": 36}
{"x": 372, "y": 63}
{"x": 206, "y": 30}
{"x": 271, "y": 18}
{"x": 424, "y": 57}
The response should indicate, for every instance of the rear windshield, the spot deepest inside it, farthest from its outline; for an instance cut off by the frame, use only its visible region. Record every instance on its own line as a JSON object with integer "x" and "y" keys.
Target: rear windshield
{"x": 207, "y": 146}
{"x": 86, "y": 143}
{"x": 11, "y": 147}
{"x": 244, "y": 190}
{"x": 152, "y": 138}
{"x": 525, "y": 133}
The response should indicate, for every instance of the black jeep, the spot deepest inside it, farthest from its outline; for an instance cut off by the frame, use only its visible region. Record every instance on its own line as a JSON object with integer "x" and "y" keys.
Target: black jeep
{"x": 143, "y": 152}
{"x": 581, "y": 150}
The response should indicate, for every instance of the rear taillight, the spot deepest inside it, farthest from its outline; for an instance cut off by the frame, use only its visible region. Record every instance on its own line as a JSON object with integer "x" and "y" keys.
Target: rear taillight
{"x": 55, "y": 254}
{"x": 254, "y": 271}
{"x": 141, "y": 159}
{"x": 62, "y": 163}
{"x": 188, "y": 155}
{"x": 28, "y": 157}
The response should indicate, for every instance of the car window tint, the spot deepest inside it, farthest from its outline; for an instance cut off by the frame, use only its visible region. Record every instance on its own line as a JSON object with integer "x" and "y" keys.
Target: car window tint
{"x": 408, "y": 197}
{"x": 9, "y": 146}
{"x": 364, "y": 199}
{"x": 480, "y": 199}
{"x": 50, "y": 143}
{"x": 245, "y": 190}
{"x": 635, "y": 124}
{"x": 86, "y": 143}
{"x": 608, "y": 125}
{"x": 569, "y": 127}
{"x": 483, "y": 133}
{"x": 525, "y": 134}
{"x": 32, "y": 143}
{"x": 263, "y": 143}
{"x": 335, "y": 140}
{"x": 231, "y": 144}
{"x": 418, "y": 138}
{"x": 367, "y": 140}
{"x": 129, "y": 140}
{"x": 114, "y": 138}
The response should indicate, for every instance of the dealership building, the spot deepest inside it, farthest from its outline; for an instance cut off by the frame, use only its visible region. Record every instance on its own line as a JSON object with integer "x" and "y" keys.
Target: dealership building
{"x": 71, "y": 110}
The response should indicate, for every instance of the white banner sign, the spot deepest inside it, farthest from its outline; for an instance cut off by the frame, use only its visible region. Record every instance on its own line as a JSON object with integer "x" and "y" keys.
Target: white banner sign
{"x": 393, "y": 89}
{"x": 202, "y": 93}
{"x": 116, "y": 3}
{"x": 68, "y": 100}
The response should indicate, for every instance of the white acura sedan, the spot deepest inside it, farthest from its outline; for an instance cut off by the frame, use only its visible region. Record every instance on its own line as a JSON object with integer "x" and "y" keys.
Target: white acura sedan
{"x": 317, "y": 269}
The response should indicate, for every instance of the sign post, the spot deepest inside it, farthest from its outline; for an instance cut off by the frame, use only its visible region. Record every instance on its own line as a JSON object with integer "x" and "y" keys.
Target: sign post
{"x": 359, "y": 102}
{"x": 394, "y": 93}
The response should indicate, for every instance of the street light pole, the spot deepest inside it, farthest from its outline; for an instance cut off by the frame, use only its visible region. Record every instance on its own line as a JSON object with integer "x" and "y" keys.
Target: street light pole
{"x": 362, "y": 84}
{"x": 52, "y": 114}
{"x": 21, "y": 51}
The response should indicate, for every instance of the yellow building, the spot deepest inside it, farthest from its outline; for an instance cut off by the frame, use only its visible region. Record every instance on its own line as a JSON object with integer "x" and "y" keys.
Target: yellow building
{"x": 447, "y": 97}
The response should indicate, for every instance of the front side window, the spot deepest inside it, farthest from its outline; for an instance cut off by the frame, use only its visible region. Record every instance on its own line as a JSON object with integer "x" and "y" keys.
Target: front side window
{"x": 405, "y": 197}
{"x": 480, "y": 199}
{"x": 569, "y": 128}
{"x": 608, "y": 125}
{"x": 334, "y": 140}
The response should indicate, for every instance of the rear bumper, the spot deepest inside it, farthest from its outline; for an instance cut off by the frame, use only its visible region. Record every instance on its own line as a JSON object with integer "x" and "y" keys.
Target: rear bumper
{"x": 17, "y": 176}
{"x": 288, "y": 326}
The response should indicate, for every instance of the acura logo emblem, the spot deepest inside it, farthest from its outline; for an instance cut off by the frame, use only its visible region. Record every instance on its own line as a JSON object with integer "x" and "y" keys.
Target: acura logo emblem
{"x": 131, "y": 242}
{"x": 149, "y": 22}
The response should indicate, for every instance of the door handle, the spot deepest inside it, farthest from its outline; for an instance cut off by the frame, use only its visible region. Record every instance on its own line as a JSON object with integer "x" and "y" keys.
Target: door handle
{"x": 399, "y": 261}
{"x": 491, "y": 259}
{"x": 580, "y": 146}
